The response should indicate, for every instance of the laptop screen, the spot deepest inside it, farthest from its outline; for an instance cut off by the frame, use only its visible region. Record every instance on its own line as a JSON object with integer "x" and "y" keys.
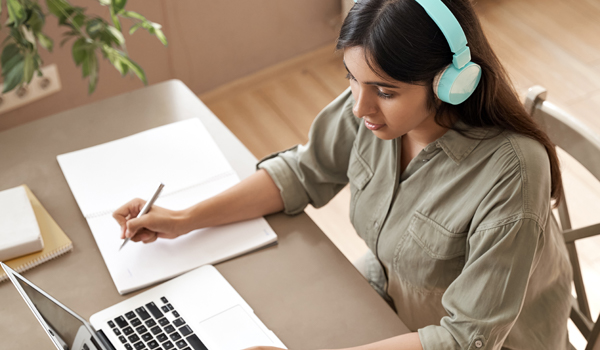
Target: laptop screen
{"x": 70, "y": 332}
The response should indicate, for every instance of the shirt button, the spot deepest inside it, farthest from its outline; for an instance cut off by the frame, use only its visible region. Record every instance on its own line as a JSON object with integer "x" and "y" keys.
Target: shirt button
{"x": 376, "y": 225}
{"x": 478, "y": 344}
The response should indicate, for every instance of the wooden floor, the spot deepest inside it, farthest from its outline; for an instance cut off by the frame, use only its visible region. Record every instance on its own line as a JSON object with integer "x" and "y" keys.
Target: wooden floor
{"x": 553, "y": 43}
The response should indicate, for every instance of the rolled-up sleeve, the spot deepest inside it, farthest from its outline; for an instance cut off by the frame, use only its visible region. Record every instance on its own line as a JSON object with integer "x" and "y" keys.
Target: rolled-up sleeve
{"x": 314, "y": 173}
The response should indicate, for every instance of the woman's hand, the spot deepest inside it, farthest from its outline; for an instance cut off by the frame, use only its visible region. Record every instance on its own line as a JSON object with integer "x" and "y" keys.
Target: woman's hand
{"x": 157, "y": 223}
{"x": 255, "y": 196}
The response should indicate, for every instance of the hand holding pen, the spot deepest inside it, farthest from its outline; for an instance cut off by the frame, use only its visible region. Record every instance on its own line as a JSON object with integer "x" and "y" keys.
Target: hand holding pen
{"x": 158, "y": 222}
{"x": 145, "y": 209}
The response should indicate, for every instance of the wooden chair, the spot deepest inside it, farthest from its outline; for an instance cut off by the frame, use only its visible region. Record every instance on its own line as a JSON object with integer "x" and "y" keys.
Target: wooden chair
{"x": 574, "y": 138}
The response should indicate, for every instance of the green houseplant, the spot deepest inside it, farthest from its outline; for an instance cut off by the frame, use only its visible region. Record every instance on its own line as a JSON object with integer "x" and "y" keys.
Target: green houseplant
{"x": 92, "y": 35}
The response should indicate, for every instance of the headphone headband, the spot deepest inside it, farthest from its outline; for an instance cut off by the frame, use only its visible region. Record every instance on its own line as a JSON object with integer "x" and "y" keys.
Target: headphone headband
{"x": 452, "y": 30}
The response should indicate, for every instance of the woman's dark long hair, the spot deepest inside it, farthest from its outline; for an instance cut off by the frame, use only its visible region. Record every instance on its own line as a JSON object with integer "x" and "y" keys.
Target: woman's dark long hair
{"x": 400, "y": 38}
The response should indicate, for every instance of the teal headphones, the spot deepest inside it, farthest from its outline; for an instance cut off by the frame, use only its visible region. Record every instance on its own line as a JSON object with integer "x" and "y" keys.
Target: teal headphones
{"x": 455, "y": 83}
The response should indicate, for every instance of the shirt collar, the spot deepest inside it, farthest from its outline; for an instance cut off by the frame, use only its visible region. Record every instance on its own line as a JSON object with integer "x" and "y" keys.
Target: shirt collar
{"x": 458, "y": 146}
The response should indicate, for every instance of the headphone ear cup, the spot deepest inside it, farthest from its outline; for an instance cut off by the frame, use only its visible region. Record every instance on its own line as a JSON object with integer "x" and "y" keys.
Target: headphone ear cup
{"x": 454, "y": 86}
{"x": 436, "y": 81}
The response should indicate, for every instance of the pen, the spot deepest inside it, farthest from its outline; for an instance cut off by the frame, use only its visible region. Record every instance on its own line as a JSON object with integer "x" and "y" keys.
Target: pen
{"x": 146, "y": 208}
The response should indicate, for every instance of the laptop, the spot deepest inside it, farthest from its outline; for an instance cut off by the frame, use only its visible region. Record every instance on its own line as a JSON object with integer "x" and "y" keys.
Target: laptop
{"x": 198, "y": 310}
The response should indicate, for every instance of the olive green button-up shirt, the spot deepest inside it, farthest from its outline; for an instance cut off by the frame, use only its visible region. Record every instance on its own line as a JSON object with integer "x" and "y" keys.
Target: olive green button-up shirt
{"x": 465, "y": 235}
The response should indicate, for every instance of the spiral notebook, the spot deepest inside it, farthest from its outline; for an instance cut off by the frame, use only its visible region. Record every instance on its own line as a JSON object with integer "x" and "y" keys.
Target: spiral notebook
{"x": 56, "y": 241}
{"x": 186, "y": 159}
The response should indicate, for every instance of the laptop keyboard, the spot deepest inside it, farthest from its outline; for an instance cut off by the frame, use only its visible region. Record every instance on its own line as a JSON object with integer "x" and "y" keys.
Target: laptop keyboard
{"x": 148, "y": 327}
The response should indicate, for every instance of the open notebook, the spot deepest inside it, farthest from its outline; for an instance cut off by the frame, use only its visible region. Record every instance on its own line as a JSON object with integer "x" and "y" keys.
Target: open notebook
{"x": 186, "y": 159}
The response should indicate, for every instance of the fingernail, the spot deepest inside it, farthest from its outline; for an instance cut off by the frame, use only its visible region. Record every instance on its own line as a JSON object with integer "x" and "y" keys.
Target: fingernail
{"x": 127, "y": 233}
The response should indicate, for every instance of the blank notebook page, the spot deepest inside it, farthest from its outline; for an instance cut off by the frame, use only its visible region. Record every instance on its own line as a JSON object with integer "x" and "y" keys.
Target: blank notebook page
{"x": 186, "y": 159}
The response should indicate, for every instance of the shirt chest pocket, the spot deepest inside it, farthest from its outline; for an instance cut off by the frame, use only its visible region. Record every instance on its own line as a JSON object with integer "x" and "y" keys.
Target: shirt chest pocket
{"x": 429, "y": 257}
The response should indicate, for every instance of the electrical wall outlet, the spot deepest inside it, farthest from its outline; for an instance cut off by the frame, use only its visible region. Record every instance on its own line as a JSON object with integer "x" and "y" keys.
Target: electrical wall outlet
{"x": 39, "y": 87}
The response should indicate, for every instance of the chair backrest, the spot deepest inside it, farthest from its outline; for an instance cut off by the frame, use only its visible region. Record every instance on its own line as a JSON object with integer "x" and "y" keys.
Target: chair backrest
{"x": 579, "y": 142}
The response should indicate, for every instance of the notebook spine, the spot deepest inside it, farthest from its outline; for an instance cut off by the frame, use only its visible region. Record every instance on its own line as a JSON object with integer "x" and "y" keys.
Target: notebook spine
{"x": 40, "y": 260}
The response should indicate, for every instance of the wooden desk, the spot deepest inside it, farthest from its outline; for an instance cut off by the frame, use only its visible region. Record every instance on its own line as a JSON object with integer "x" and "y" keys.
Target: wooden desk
{"x": 303, "y": 289}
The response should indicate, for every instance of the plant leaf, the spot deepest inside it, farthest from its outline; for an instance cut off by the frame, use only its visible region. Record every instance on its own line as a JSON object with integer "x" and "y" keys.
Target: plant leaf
{"x": 38, "y": 62}
{"x": 115, "y": 19}
{"x": 85, "y": 66}
{"x": 12, "y": 63}
{"x": 93, "y": 83}
{"x": 28, "y": 68}
{"x": 104, "y": 2}
{"x": 45, "y": 41}
{"x": 117, "y": 56}
{"x": 28, "y": 35}
{"x": 59, "y": 8}
{"x": 118, "y": 5}
{"x": 36, "y": 20}
{"x": 8, "y": 52}
{"x": 114, "y": 56}
{"x": 14, "y": 77}
{"x": 91, "y": 65}
{"x": 124, "y": 67}
{"x": 152, "y": 28}
{"x": 16, "y": 12}
{"x": 131, "y": 14}
{"x": 161, "y": 36}
{"x": 134, "y": 28}
{"x": 18, "y": 37}
{"x": 95, "y": 27}
{"x": 135, "y": 68}
{"x": 116, "y": 35}
{"x": 80, "y": 51}
{"x": 79, "y": 19}
{"x": 120, "y": 66}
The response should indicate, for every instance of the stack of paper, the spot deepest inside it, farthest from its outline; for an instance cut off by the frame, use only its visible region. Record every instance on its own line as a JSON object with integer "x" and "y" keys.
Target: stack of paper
{"x": 186, "y": 159}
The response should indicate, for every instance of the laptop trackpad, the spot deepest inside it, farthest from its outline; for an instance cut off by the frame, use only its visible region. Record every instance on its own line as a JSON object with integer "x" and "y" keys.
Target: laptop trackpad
{"x": 232, "y": 329}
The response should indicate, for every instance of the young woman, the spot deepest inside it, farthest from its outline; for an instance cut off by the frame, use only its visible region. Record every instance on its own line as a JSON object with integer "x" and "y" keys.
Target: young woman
{"x": 452, "y": 197}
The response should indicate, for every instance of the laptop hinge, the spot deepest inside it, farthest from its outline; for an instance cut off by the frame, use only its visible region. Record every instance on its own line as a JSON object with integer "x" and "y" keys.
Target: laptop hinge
{"x": 105, "y": 342}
